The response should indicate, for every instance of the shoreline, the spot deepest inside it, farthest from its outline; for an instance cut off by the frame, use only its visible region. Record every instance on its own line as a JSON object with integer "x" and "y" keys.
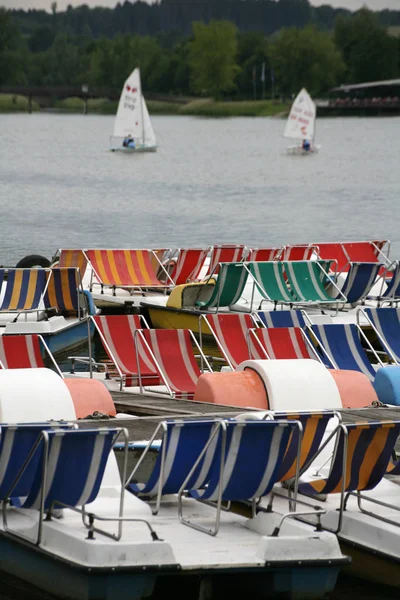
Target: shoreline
{"x": 199, "y": 108}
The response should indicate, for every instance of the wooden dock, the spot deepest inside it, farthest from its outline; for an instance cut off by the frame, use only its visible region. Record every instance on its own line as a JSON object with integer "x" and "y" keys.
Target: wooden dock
{"x": 150, "y": 410}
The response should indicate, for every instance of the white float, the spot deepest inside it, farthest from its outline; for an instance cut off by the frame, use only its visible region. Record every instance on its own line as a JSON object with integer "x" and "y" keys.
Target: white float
{"x": 296, "y": 384}
{"x": 34, "y": 395}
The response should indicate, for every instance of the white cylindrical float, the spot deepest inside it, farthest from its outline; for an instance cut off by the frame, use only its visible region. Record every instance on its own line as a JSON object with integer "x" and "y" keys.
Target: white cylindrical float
{"x": 296, "y": 384}
{"x": 34, "y": 395}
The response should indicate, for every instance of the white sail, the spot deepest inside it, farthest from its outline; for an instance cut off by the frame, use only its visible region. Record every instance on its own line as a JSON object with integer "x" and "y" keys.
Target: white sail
{"x": 129, "y": 119}
{"x": 301, "y": 121}
{"x": 149, "y": 136}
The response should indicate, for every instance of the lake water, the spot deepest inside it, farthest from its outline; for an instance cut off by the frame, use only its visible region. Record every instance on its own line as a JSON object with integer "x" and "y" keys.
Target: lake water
{"x": 211, "y": 181}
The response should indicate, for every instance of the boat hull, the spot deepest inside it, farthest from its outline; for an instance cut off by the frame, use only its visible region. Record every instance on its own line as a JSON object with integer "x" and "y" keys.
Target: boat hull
{"x": 371, "y": 566}
{"x": 165, "y": 317}
{"x": 299, "y": 150}
{"x": 69, "y": 338}
{"x": 133, "y": 150}
{"x": 43, "y": 571}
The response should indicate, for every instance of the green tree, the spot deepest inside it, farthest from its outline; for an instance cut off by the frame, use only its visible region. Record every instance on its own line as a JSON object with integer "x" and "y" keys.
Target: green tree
{"x": 11, "y": 51}
{"x": 212, "y": 57}
{"x": 305, "y": 58}
{"x": 369, "y": 52}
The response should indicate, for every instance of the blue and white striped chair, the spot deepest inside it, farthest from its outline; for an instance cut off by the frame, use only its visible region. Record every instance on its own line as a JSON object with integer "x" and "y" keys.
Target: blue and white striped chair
{"x": 343, "y": 349}
{"x": 16, "y": 444}
{"x": 282, "y": 318}
{"x": 386, "y": 323}
{"x": 61, "y": 468}
{"x": 359, "y": 281}
{"x": 183, "y": 441}
{"x": 245, "y": 465}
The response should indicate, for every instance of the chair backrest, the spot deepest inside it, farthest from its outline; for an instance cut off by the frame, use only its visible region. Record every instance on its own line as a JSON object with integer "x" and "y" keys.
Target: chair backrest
{"x": 126, "y": 268}
{"x": 280, "y": 342}
{"x": 307, "y": 279}
{"x": 188, "y": 265}
{"x": 369, "y": 449}
{"x": 231, "y": 334}
{"x": 174, "y": 358}
{"x": 73, "y": 258}
{"x": 367, "y": 251}
{"x": 16, "y": 442}
{"x": 335, "y": 252}
{"x": 314, "y": 426}
{"x": 228, "y": 288}
{"x": 24, "y": 289}
{"x": 77, "y": 460}
{"x": 263, "y": 254}
{"x": 182, "y": 441}
{"x": 393, "y": 287}
{"x": 117, "y": 333}
{"x": 359, "y": 280}
{"x": 298, "y": 252}
{"x": 270, "y": 280}
{"x": 282, "y": 318}
{"x": 20, "y": 352}
{"x": 224, "y": 253}
{"x": 387, "y": 323}
{"x": 63, "y": 289}
{"x": 343, "y": 345}
{"x": 251, "y": 462}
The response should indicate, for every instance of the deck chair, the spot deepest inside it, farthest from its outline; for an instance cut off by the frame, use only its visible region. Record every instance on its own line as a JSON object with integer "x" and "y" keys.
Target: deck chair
{"x": 24, "y": 289}
{"x": 368, "y": 251}
{"x": 172, "y": 355}
{"x": 188, "y": 265}
{"x": 182, "y": 442}
{"x": 359, "y": 280}
{"x": 392, "y": 291}
{"x": 16, "y": 443}
{"x": 24, "y": 352}
{"x": 73, "y": 258}
{"x": 362, "y": 454}
{"x": 117, "y": 334}
{"x": 282, "y": 318}
{"x": 70, "y": 465}
{"x": 314, "y": 426}
{"x": 264, "y": 254}
{"x": 130, "y": 269}
{"x": 308, "y": 280}
{"x": 269, "y": 279}
{"x": 224, "y": 253}
{"x": 244, "y": 467}
{"x": 341, "y": 348}
{"x": 280, "y": 343}
{"x": 230, "y": 332}
{"x": 335, "y": 252}
{"x": 386, "y": 324}
{"x": 298, "y": 252}
{"x": 64, "y": 291}
{"x": 228, "y": 288}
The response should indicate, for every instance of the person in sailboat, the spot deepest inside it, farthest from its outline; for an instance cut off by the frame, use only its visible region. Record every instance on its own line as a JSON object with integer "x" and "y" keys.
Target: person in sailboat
{"x": 129, "y": 142}
{"x": 306, "y": 145}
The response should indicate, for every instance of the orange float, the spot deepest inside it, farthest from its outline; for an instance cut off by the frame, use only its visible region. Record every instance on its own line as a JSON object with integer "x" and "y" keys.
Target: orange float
{"x": 355, "y": 389}
{"x": 88, "y": 396}
{"x": 234, "y": 388}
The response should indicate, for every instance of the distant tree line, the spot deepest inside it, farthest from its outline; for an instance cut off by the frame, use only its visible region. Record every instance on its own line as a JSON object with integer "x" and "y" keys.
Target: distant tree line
{"x": 224, "y": 52}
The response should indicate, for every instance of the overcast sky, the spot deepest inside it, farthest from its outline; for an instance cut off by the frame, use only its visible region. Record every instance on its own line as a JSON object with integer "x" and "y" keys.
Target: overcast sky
{"x": 45, "y": 4}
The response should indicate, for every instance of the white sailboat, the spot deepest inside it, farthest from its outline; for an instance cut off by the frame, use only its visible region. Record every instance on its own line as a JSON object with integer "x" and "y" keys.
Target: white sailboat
{"x": 132, "y": 120}
{"x": 301, "y": 125}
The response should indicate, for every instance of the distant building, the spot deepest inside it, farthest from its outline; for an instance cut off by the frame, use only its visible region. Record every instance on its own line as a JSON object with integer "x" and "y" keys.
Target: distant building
{"x": 373, "y": 94}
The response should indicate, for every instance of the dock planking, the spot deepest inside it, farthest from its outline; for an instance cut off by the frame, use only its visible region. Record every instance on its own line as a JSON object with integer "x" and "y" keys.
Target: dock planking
{"x": 144, "y": 413}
